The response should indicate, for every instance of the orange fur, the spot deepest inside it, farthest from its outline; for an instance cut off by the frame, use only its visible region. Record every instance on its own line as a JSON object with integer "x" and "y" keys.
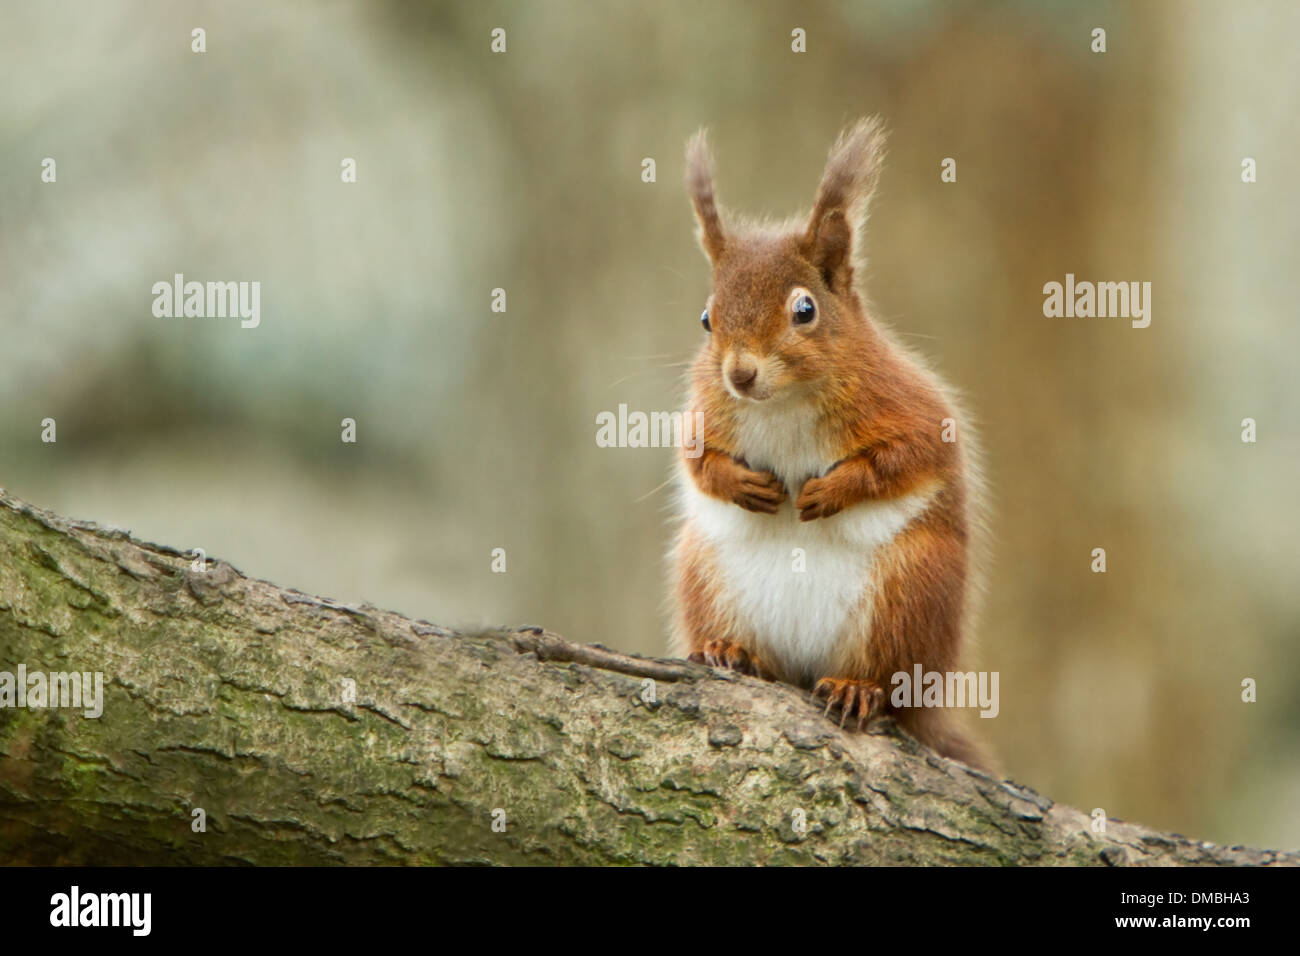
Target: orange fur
{"x": 874, "y": 409}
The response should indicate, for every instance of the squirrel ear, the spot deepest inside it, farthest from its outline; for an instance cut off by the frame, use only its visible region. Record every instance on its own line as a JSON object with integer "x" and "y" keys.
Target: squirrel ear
{"x": 842, "y": 199}
{"x": 699, "y": 183}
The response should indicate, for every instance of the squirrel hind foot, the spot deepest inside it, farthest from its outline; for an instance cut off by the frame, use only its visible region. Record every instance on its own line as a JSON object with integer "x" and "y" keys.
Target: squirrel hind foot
{"x": 861, "y": 698}
{"x": 731, "y": 656}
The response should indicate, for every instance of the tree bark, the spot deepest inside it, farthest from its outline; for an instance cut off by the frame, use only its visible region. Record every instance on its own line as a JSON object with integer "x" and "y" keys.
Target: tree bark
{"x": 313, "y": 732}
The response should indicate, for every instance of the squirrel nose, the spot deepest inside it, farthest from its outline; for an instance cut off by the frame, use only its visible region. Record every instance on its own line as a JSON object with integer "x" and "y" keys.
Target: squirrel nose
{"x": 743, "y": 377}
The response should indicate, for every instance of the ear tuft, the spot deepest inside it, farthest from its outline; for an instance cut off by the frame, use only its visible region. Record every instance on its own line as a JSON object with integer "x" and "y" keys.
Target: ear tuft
{"x": 842, "y": 200}
{"x": 699, "y": 184}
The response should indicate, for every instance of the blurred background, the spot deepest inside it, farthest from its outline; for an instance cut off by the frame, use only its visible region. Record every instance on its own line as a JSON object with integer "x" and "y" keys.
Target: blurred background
{"x": 522, "y": 171}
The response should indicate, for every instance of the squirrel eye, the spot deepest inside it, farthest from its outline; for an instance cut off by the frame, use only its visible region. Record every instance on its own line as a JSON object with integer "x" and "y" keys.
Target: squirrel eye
{"x": 704, "y": 320}
{"x": 804, "y": 309}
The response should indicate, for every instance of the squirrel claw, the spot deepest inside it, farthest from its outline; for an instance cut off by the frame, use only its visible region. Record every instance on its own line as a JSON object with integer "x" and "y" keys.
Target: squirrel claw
{"x": 729, "y": 656}
{"x": 853, "y": 697}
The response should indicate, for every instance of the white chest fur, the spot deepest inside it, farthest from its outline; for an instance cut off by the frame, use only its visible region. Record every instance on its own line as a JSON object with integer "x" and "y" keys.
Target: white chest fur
{"x": 798, "y": 586}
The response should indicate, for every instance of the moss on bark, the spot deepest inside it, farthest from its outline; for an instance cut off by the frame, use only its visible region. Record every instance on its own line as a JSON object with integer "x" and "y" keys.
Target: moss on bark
{"x": 233, "y": 696}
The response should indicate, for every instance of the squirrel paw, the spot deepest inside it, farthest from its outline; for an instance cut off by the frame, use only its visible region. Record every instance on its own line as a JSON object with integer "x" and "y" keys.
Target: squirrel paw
{"x": 759, "y": 491}
{"x": 819, "y": 498}
{"x": 860, "y": 697}
{"x": 731, "y": 657}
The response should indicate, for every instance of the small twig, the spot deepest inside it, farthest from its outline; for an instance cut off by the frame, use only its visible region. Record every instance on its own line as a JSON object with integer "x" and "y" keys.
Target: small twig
{"x": 551, "y": 647}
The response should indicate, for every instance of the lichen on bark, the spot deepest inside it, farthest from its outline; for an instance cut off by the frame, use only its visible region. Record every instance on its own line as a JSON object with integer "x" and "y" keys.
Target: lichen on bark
{"x": 313, "y": 732}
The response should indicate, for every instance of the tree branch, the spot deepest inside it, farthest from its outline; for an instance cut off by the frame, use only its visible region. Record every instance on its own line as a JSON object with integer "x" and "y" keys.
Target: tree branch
{"x": 230, "y": 695}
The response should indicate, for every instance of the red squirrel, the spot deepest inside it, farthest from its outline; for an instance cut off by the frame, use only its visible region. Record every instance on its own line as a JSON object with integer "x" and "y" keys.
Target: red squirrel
{"x": 822, "y": 443}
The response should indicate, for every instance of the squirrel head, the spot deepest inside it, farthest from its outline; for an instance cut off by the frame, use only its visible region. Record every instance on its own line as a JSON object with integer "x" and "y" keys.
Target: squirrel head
{"x": 783, "y": 315}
